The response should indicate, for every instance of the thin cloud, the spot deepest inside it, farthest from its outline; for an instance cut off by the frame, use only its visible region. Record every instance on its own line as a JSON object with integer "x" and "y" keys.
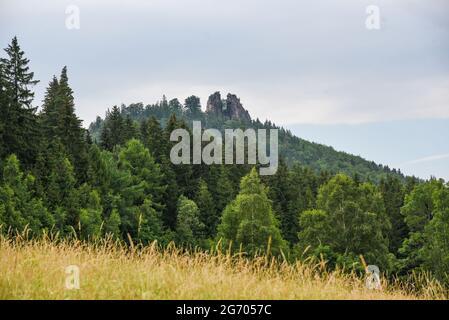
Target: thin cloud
{"x": 427, "y": 159}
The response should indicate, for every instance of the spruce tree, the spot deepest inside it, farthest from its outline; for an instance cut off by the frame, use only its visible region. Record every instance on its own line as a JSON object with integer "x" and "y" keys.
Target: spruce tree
{"x": 154, "y": 139}
{"x": 49, "y": 113}
{"x": 112, "y": 131}
{"x": 393, "y": 197}
{"x": 301, "y": 192}
{"x": 223, "y": 191}
{"x": 20, "y": 131}
{"x": 278, "y": 185}
{"x": 130, "y": 130}
{"x": 208, "y": 214}
{"x": 193, "y": 108}
{"x": 184, "y": 174}
{"x": 70, "y": 130}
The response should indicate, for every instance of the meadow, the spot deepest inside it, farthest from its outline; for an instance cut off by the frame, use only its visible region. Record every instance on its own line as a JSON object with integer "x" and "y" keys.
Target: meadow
{"x": 36, "y": 269}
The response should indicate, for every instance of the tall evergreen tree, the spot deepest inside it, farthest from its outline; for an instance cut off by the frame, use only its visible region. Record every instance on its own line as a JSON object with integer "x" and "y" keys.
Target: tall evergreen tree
{"x": 70, "y": 130}
{"x": 112, "y": 131}
{"x": 208, "y": 214}
{"x": 184, "y": 173}
{"x": 153, "y": 137}
{"x": 223, "y": 190}
{"x": 393, "y": 197}
{"x": 20, "y": 131}
{"x": 130, "y": 130}
{"x": 49, "y": 113}
{"x": 193, "y": 108}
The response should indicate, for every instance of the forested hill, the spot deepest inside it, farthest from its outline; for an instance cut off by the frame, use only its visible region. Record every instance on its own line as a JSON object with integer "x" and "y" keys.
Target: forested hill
{"x": 228, "y": 112}
{"x": 54, "y": 180}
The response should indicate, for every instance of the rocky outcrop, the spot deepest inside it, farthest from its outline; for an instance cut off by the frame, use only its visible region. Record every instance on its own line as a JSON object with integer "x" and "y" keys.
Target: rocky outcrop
{"x": 214, "y": 104}
{"x": 231, "y": 108}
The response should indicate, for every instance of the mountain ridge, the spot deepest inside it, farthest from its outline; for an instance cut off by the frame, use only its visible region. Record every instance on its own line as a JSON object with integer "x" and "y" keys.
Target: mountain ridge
{"x": 230, "y": 113}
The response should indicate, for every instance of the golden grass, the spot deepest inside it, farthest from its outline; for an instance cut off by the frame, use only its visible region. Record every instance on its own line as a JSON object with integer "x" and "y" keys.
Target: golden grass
{"x": 36, "y": 270}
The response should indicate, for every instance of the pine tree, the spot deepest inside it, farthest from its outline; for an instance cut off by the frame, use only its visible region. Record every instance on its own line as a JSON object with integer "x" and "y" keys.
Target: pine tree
{"x": 130, "y": 130}
{"x": 208, "y": 215}
{"x": 302, "y": 187}
{"x": 155, "y": 139}
{"x": 3, "y": 111}
{"x": 393, "y": 197}
{"x": 175, "y": 107}
{"x": 49, "y": 113}
{"x": 278, "y": 185}
{"x": 112, "y": 132}
{"x": 183, "y": 172}
{"x": 142, "y": 180}
{"x": 70, "y": 130}
{"x": 20, "y": 131}
{"x": 223, "y": 189}
{"x": 193, "y": 108}
{"x": 62, "y": 196}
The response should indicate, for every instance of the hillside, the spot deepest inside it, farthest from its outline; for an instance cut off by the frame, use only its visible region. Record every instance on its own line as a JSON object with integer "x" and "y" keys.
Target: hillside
{"x": 229, "y": 113}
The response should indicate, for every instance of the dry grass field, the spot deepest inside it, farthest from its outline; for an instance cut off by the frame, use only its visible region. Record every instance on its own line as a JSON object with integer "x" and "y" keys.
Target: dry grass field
{"x": 37, "y": 270}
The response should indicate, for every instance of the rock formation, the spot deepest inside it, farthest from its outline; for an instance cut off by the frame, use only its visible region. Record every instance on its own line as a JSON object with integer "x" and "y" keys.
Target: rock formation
{"x": 230, "y": 109}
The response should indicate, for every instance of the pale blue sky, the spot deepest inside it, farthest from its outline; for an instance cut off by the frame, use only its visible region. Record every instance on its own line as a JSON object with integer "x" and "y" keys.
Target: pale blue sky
{"x": 308, "y": 65}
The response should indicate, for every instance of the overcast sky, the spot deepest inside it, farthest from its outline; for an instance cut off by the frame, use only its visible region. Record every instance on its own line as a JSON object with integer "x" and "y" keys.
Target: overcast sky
{"x": 310, "y": 65}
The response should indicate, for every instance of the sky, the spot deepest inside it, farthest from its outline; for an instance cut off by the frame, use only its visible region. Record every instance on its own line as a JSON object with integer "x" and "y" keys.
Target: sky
{"x": 311, "y": 66}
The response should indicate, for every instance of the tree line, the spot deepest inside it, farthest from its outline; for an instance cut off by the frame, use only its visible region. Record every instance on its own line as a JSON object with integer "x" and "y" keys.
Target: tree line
{"x": 55, "y": 177}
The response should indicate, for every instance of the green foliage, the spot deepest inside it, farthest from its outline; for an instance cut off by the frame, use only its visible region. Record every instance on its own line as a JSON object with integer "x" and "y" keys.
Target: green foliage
{"x": 426, "y": 214}
{"x": 249, "y": 219}
{"x": 351, "y": 220}
{"x": 150, "y": 223}
{"x": 91, "y": 219}
{"x": 18, "y": 122}
{"x": 112, "y": 133}
{"x": 118, "y": 179}
{"x": 435, "y": 251}
{"x": 393, "y": 194}
{"x": 208, "y": 215}
{"x": 193, "y": 108}
{"x": 189, "y": 228}
{"x": 112, "y": 224}
{"x": 19, "y": 205}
